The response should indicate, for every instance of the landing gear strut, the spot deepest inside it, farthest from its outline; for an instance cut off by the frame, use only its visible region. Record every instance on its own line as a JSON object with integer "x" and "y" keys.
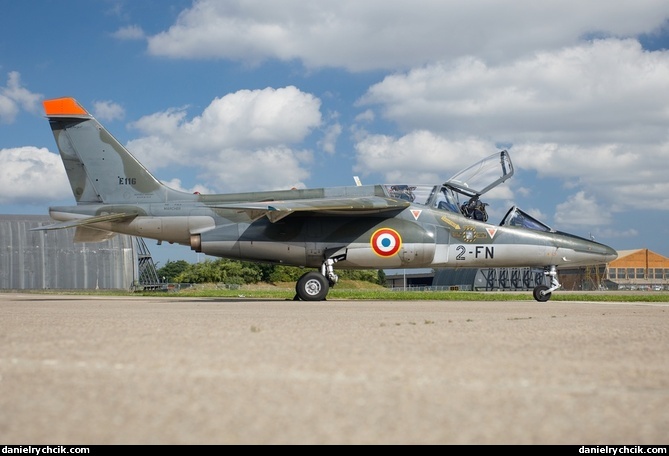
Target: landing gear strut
{"x": 542, "y": 293}
{"x": 314, "y": 286}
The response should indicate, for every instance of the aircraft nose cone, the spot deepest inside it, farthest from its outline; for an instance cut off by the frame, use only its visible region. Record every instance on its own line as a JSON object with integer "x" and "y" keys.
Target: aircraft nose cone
{"x": 609, "y": 254}
{"x": 605, "y": 253}
{"x": 587, "y": 252}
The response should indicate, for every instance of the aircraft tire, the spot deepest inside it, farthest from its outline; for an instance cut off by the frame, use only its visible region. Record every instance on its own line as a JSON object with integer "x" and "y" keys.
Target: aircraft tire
{"x": 538, "y": 295}
{"x": 312, "y": 286}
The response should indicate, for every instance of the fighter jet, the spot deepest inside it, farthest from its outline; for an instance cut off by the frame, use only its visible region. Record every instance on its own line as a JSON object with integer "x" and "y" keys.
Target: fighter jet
{"x": 382, "y": 226}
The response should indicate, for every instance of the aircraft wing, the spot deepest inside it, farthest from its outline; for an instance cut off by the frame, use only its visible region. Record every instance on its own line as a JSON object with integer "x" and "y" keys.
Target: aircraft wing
{"x": 276, "y": 210}
{"x": 85, "y": 221}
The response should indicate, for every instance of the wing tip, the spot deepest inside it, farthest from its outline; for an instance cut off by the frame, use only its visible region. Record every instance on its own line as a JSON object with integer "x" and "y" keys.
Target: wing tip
{"x": 66, "y": 106}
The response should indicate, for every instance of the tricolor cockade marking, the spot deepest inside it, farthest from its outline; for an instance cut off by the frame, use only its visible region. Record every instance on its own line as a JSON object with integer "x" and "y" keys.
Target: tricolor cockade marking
{"x": 386, "y": 242}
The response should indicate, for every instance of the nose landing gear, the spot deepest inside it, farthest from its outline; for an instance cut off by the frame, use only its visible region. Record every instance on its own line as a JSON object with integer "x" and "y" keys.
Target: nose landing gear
{"x": 542, "y": 293}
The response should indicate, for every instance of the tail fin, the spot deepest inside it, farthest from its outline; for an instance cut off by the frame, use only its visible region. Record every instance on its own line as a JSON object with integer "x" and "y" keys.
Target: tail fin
{"x": 99, "y": 168}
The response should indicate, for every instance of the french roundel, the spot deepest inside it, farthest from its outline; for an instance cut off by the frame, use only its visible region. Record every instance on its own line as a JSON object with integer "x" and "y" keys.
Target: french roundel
{"x": 386, "y": 242}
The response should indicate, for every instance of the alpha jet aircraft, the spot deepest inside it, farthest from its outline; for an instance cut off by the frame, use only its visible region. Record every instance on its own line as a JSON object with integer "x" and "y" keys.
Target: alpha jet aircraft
{"x": 356, "y": 227}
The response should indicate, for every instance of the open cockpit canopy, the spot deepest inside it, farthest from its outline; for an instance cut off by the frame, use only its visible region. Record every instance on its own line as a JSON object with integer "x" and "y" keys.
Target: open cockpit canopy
{"x": 470, "y": 183}
{"x": 482, "y": 176}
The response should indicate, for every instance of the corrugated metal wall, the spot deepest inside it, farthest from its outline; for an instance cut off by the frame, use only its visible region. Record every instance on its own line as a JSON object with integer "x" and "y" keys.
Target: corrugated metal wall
{"x": 50, "y": 260}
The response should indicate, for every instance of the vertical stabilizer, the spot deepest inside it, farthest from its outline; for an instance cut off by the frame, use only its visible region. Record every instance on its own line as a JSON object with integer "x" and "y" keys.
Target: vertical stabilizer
{"x": 99, "y": 168}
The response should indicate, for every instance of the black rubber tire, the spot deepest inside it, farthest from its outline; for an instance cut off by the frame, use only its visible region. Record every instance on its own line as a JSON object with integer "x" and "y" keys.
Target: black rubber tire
{"x": 312, "y": 286}
{"x": 539, "y": 295}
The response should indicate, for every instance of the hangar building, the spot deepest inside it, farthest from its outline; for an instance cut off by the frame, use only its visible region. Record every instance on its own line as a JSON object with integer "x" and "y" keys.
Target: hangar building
{"x": 50, "y": 260}
{"x": 639, "y": 269}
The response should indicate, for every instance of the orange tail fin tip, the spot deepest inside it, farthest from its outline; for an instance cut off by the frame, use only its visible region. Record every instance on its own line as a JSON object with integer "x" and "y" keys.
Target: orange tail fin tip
{"x": 63, "y": 107}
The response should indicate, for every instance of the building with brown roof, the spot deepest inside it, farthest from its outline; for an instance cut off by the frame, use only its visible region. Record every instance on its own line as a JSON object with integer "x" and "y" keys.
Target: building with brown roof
{"x": 639, "y": 269}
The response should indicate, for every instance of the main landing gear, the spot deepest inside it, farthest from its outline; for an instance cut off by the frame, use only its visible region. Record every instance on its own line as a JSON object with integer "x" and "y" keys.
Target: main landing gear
{"x": 314, "y": 286}
{"x": 542, "y": 293}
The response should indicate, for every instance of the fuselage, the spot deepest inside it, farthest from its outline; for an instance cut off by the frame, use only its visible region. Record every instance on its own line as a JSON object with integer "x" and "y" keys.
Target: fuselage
{"x": 415, "y": 237}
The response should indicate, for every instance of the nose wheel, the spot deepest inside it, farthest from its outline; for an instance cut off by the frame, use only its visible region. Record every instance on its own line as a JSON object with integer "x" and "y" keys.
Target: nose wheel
{"x": 542, "y": 293}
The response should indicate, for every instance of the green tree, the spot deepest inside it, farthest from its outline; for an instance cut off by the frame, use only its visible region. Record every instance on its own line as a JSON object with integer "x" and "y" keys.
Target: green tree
{"x": 202, "y": 272}
{"x": 239, "y": 272}
{"x": 266, "y": 270}
{"x": 172, "y": 269}
{"x": 247, "y": 272}
{"x": 365, "y": 275}
{"x": 221, "y": 270}
{"x": 283, "y": 273}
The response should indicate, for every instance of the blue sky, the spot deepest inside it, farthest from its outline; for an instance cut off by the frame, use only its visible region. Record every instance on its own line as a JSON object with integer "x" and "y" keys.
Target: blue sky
{"x": 223, "y": 96}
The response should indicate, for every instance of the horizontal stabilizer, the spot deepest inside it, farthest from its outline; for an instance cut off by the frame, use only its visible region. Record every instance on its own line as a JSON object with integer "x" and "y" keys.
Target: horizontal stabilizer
{"x": 85, "y": 221}
{"x": 277, "y": 210}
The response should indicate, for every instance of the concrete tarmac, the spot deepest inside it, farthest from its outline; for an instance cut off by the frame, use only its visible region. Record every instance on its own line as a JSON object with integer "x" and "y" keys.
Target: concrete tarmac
{"x": 86, "y": 370}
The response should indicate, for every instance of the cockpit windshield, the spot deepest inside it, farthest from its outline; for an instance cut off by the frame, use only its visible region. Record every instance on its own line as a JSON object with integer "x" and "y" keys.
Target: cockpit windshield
{"x": 518, "y": 217}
